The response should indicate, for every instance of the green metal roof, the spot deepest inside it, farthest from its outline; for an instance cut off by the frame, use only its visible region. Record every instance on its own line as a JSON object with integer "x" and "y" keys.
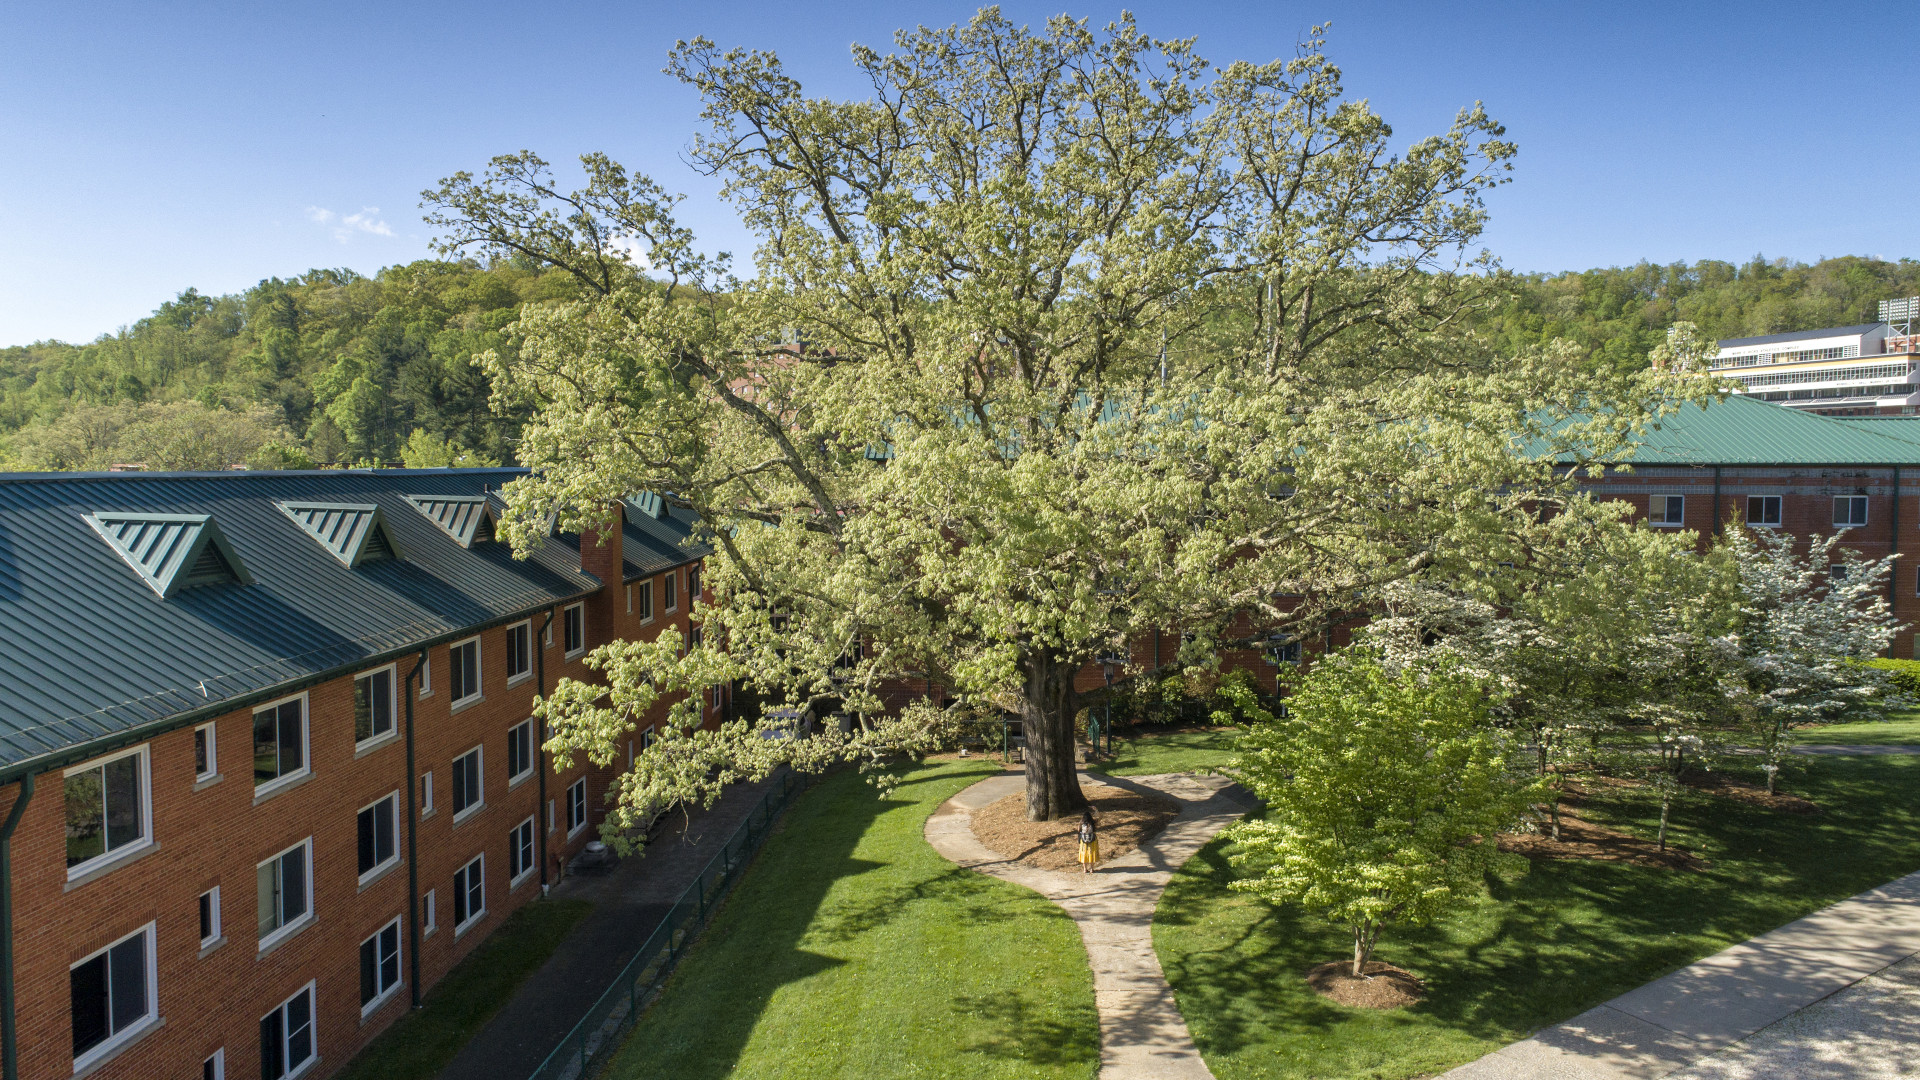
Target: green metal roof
{"x": 1906, "y": 428}
{"x": 351, "y": 532}
{"x": 170, "y": 551}
{"x": 1746, "y": 431}
{"x": 460, "y": 518}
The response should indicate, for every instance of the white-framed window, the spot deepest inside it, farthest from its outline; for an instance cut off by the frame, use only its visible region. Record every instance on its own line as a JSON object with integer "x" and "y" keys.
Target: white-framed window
{"x": 576, "y": 807}
{"x": 648, "y": 737}
{"x": 519, "y": 752}
{"x": 670, "y": 590}
{"x": 549, "y": 815}
{"x": 469, "y": 893}
{"x": 1282, "y": 649}
{"x": 1667, "y": 510}
{"x": 427, "y": 923}
{"x": 286, "y": 1037}
{"x": 286, "y": 892}
{"x": 574, "y": 629}
{"x": 1838, "y": 571}
{"x": 629, "y": 597}
{"x": 378, "y": 829}
{"x": 469, "y": 782}
{"x": 113, "y": 996}
{"x": 1849, "y": 511}
{"x": 215, "y": 1067}
{"x": 463, "y": 672}
{"x": 373, "y": 706}
{"x": 210, "y": 916}
{"x": 279, "y": 742}
{"x": 519, "y": 651}
{"x": 109, "y": 810}
{"x": 643, "y": 598}
{"x": 520, "y": 857}
{"x": 546, "y": 633}
{"x": 1763, "y": 511}
{"x": 693, "y": 586}
{"x": 426, "y": 793}
{"x": 426, "y": 677}
{"x": 379, "y": 966}
{"x": 206, "y": 753}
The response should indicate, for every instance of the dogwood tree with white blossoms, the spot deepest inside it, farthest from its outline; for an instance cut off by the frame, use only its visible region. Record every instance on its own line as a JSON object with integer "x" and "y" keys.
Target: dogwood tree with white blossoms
{"x": 1808, "y": 624}
{"x": 1059, "y": 336}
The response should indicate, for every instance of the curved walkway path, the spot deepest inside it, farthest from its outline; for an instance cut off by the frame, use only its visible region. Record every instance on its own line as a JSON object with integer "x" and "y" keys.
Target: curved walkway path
{"x": 1142, "y": 1034}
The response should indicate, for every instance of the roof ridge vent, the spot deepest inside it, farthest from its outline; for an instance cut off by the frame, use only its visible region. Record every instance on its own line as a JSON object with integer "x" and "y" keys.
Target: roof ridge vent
{"x": 354, "y": 533}
{"x": 170, "y": 552}
{"x": 466, "y": 518}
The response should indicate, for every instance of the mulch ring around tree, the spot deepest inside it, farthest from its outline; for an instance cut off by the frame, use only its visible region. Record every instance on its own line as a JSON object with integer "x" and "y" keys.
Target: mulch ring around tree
{"x": 1382, "y": 987}
{"x": 1583, "y": 839}
{"x": 1126, "y": 821}
{"x": 1748, "y": 792}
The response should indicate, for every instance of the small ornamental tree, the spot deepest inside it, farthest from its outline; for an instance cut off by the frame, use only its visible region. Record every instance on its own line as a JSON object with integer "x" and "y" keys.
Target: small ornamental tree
{"x": 1385, "y": 791}
{"x": 1808, "y": 626}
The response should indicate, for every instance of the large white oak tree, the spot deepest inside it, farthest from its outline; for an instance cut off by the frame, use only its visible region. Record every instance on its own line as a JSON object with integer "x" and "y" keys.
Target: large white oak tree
{"x": 1058, "y": 336}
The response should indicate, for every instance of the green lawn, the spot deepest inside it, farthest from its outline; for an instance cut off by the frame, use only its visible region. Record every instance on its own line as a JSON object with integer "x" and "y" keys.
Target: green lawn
{"x": 851, "y": 949}
{"x": 1169, "y": 752}
{"x": 1902, "y": 728}
{"x": 1549, "y": 941}
{"x": 420, "y": 1044}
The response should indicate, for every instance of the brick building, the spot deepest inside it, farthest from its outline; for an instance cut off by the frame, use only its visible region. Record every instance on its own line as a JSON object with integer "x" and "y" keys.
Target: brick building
{"x": 266, "y": 768}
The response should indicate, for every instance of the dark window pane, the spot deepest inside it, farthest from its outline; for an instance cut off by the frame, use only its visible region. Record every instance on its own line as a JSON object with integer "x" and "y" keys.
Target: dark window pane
{"x": 123, "y": 801}
{"x": 87, "y": 988}
{"x": 273, "y": 1060}
{"x": 369, "y": 970}
{"x": 299, "y": 1029}
{"x": 390, "y": 955}
{"x": 86, "y": 817}
{"x": 382, "y": 702}
{"x": 368, "y": 859}
{"x": 266, "y": 747}
{"x": 362, "y": 709}
{"x": 383, "y": 830}
{"x": 293, "y": 884}
{"x": 206, "y": 916}
{"x": 292, "y": 745}
{"x": 127, "y": 974}
{"x": 200, "y": 750}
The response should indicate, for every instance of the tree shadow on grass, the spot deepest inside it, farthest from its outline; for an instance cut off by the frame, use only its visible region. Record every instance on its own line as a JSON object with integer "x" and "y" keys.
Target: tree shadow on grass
{"x": 854, "y": 917}
{"x": 1013, "y": 1027}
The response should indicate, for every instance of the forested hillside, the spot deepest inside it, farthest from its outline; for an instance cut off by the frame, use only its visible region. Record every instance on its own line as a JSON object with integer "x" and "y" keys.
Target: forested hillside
{"x": 329, "y": 366}
{"x": 335, "y": 367}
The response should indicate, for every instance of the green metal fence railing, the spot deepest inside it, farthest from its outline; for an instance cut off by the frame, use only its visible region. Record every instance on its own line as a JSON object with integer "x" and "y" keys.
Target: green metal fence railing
{"x": 598, "y": 1034}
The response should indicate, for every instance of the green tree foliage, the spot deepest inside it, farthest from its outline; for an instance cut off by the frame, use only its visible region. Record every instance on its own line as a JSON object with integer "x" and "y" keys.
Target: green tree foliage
{"x": 1622, "y": 313}
{"x": 349, "y": 366}
{"x": 1063, "y": 336}
{"x": 1385, "y": 792}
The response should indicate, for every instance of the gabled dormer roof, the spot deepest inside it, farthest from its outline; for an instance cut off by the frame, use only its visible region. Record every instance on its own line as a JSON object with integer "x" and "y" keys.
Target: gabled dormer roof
{"x": 466, "y": 518}
{"x": 170, "y": 552}
{"x": 351, "y": 532}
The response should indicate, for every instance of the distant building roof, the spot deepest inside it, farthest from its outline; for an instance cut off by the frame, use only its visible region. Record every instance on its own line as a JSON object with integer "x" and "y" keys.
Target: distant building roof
{"x": 115, "y": 630}
{"x": 1747, "y": 431}
{"x": 1800, "y": 335}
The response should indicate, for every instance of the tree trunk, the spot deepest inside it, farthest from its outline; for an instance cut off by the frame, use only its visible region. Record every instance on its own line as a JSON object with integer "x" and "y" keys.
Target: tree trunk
{"x": 1046, "y": 714}
{"x": 1666, "y": 801}
{"x": 1362, "y": 949}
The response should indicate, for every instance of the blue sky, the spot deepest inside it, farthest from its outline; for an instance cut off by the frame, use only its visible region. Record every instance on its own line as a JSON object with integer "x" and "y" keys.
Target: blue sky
{"x": 149, "y": 146}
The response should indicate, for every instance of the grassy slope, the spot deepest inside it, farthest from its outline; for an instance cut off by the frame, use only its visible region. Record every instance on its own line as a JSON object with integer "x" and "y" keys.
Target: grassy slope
{"x": 420, "y": 1044}
{"x": 853, "y": 950}
{"x": 1549, "y": 941}
{"x": 1177, "y": 751}
{"x": 1902, "y": 728}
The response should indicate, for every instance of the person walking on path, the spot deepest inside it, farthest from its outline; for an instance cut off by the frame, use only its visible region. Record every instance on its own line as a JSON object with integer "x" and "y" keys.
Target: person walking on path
{"x": 1089, "y": 842}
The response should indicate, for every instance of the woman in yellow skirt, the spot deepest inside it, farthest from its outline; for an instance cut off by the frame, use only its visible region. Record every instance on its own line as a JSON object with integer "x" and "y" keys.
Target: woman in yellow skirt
{"x": 1089, "y": 842}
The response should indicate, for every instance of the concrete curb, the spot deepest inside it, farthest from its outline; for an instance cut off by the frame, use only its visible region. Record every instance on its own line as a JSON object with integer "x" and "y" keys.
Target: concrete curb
{"x": 1142, "y": 1034}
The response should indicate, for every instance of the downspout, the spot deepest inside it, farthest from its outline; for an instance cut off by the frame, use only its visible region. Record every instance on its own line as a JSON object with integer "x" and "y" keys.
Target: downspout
{"x": 546, "y": 821}
{"x": 413, "y": 834}
{"x": 10, "y": 1056}
{"x": 1716, "y": 500}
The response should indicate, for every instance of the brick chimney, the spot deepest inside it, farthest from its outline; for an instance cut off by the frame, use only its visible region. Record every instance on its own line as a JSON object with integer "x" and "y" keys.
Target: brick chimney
{"x": 602, "y": 555}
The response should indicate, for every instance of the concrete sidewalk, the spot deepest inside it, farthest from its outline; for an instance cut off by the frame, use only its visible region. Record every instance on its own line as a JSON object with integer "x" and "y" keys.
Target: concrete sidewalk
{"x": 628, "y": 904}
{"x": 1680, "y": 1020}
{"x": 1142, "y": 1034}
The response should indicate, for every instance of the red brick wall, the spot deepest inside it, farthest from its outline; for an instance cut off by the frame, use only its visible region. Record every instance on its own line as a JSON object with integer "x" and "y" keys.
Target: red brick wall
{"x": 218, "y": 835}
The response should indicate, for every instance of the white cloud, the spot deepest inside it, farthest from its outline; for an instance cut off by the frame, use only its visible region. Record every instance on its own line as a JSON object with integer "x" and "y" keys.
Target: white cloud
{"x": 344, "y": 227}
{"x": 631, "y": 248}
